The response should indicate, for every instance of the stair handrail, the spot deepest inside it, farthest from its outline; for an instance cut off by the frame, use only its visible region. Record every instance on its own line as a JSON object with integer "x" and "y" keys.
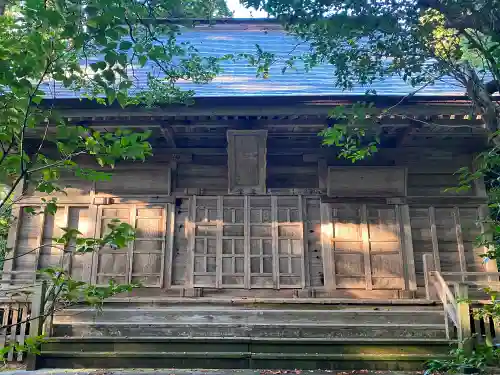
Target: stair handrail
{"x": 445, "y": 296}
{"x": 436, "y": 285}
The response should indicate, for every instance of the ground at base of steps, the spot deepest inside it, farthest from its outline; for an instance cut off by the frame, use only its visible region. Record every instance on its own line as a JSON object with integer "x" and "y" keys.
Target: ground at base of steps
{"x": 20, "y": 371}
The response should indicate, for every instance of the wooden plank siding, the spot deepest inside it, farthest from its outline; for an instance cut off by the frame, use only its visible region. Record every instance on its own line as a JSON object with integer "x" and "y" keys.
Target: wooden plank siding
{"x": 448, "y": 233}
{"x": 287, "y": 236}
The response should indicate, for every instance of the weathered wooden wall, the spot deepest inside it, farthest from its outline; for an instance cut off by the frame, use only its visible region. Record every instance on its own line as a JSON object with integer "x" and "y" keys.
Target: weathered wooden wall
{"x": 291, "y": 238}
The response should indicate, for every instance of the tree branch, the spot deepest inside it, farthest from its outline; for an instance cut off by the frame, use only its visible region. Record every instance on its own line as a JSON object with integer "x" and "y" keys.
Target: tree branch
{"x": 492, "y": 86}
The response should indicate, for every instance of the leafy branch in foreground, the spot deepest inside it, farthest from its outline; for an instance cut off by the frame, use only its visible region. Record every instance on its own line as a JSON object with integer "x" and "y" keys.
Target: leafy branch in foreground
{"x": 460, "y": 362}
{"x": 63, "y": 290}
{"x": 87, "y": 49}
{"x": 348, "y": 134}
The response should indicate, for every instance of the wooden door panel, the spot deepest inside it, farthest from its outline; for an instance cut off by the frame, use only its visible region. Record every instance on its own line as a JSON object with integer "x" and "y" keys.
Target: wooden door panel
{"x": 362, "y": 244}
{"x": 143, "y": 260}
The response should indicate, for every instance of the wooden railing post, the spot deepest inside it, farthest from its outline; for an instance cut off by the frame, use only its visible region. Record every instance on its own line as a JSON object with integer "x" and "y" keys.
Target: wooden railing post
{"x": 464, "y": 326}
{"x": 37, "y": 317}
{"x": 429, "y": 266}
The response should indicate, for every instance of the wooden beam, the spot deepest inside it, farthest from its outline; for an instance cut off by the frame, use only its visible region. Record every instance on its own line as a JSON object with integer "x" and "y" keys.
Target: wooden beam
{"x": 313, "y": 121}
{"x": 401, "y": 135}
{"x": 260, "y": 106}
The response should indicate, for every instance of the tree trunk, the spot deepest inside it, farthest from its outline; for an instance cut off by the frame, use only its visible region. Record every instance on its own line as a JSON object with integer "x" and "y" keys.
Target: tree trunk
{"x": 484, "y": 103}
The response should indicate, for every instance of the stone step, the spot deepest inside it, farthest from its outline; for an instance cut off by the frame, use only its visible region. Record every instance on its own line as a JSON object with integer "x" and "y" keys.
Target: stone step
{"x": 285, "y": 330}
{"x": 242, "y": 360}
{"x": 248, "y": 316}
{"x": 261, "y": 345}
{"x": 151, "y": 352}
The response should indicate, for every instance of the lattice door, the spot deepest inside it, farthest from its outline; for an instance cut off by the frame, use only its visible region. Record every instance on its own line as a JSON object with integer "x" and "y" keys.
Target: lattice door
{"x": 289, "y": 232}
{"x": 262, "y": 247}
{"x": 234, "y": 243}
{"x": 247, "y": 242}
{"x": 204, "y": 240}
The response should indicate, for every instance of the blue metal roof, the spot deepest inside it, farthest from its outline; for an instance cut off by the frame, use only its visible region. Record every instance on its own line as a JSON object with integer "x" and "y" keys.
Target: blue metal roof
{"x": 238, "y": 78}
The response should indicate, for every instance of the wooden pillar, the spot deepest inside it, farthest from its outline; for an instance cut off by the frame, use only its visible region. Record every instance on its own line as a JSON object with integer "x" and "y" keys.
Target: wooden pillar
{"x": 190, "y": 228}
{"x": 304, "y": 266}
{"x": 434, "y": 239}
{"x": 464, "y": 325}
{"x": 366, "y": 247}
{"x": 14, "y": 229}
{"x": 407, "y": 247}
{"x": 327, "y": 233}
{"x": 37, "y": 317}
{"x": 483, "y": 215}
{"x": 169, "y": 245}
{"x": 460, "y": 242}
{"x": 322, "y": 174}
{"x": 479, "y": 186}
{"x": 8, "y": 265}
{"x": 218, "y": 249}
{"x": 274, "y": 231}
{"x": 429, "y": 266}
{"x": 247, "y": 248}
{"x": 95, "y": 210}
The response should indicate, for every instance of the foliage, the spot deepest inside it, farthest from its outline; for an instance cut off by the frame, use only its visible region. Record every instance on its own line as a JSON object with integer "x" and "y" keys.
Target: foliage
{"x": 487, "y": 167}
{"x": 90, "y": 49}
{"x": 30, "y": 345}
{"x": 348, "y": 134}
{"x": 201, "y": 9}
{"x": 482, "y": 357}
{"x": 420, "y": 41}
{"x": 491, "y": 310}
{"x": 5, "y": 223}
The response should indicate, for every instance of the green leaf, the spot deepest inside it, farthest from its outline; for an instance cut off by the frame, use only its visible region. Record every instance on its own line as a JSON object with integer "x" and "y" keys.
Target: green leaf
{"x": 143, "y": 59}
{"x": 109, "y": 75}
{"x": 30, "y": 210}
{"x": 111, "y": 58}
{"x": 125, "y": 45}
{"x": 110, "y": 95}
{"x": 37, "y": 99}
{"x": 122, "y": 99}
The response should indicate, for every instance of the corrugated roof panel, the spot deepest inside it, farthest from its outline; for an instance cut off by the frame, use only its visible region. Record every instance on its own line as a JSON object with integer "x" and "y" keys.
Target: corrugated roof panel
{"x": 238, "y": 78}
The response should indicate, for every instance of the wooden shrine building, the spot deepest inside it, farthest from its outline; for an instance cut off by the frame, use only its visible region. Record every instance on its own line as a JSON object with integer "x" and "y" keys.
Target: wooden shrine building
{"x": 241, "y": 199}
{"x": 241, "y": 203}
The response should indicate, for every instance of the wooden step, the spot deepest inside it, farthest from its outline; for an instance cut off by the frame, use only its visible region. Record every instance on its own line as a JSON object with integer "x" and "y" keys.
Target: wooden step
{"x": 203, "y": 314}
{"x": 261, "y": 302}
{"x": 291, "y": 330}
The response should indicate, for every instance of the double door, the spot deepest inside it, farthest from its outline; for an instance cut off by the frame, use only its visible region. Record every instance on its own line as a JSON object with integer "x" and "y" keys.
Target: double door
{"x": 247, "y": 242}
